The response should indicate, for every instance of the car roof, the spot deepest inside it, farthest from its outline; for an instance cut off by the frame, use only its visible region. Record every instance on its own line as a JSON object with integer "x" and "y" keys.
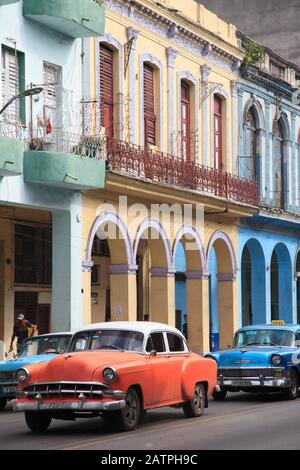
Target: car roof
{"x": 287, "y": 326}
{"x": 64, "y": 333}
{"x": 140, "y": 326}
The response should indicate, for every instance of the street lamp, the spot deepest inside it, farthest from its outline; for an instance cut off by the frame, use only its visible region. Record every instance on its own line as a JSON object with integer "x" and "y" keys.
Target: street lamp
{"x": 29, "y": 92}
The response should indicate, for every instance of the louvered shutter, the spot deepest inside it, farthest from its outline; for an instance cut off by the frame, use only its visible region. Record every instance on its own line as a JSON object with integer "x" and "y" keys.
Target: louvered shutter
{"x": 10, "y": 84}
{"x": 107, "y": 89}
{"x": 149, "y": 115}
{"x": 52, "y": 82}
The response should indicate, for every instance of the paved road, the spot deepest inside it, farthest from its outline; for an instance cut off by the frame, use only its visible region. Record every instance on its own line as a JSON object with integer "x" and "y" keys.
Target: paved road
{"x": 241, "y": 422}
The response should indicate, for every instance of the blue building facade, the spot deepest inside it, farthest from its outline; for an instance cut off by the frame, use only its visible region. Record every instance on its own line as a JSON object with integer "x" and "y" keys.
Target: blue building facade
{"x": 268, "y": 243}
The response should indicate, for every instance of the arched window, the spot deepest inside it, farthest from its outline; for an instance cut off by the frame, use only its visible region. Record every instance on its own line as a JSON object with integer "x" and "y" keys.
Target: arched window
{"x": 218, "y": 132}
{"x": 248, "y": 163}
{"x": 185, "y": 121}
{"x": 279, "y": 199}
{"x": 107, "y": 89}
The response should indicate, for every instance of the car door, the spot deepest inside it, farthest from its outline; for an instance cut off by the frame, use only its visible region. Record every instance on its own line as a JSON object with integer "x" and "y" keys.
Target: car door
{"x": 161, "y": 378}
{"x": 178, "y": 354}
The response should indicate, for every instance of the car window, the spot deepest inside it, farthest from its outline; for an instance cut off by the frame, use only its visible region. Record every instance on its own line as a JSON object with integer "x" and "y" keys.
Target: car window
{"x": 108, "y": 339}
{"x": 297, "y": 340}
{"x": 156, "y": 343}
{"x": 175, "y": 343}
{"x": 45, "y": 344}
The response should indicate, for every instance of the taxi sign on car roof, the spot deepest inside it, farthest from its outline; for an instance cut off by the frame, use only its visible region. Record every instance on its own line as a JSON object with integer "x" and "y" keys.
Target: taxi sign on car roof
{"x": 277, "y": 322}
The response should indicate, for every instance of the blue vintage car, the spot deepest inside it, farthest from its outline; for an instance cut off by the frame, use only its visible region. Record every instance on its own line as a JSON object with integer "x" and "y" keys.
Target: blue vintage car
{"x": 263, "y": 358}
{"x": 35, "y": 349}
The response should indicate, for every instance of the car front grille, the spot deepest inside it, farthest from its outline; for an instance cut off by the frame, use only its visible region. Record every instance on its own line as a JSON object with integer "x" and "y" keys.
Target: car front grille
{"x": 65, "y": 389}
{"x": 7, "y": 376}
{"x": 244, "y": 372}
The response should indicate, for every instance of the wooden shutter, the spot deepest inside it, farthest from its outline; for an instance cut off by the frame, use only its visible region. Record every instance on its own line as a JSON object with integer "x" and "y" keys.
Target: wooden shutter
{"x": 107, "y": 89}
{"x": 52, "y": 101}
{"x": 149, "y": 114}
{"x": 185, "y": 121}
{"x": 10, "y": 83}
{"x": 218, "y": 132}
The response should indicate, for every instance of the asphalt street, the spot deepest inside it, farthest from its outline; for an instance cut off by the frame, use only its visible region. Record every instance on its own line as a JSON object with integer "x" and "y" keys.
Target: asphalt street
{"x": 241, "y": 422}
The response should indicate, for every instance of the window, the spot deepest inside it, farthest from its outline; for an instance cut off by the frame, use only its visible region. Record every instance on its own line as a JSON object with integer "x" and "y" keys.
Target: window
{"x": 100, "y": 248}
{"x": 156, "y": 343}
{"x": 248, "y": 163}
{"x": 149, "y": 107}
{"x": 52, "y": 101}
{"x": 107, "y": 89}
{"x": 10, "y": 83}
{"x": 218, "y": 132}
{"x": 279, "y": 200}
{"x": 175, "y": 343}
{"x": 185, "y": 121}
{"x": 108, "y": 339}
{"x": 33, "y": 255}
{"x": 95, "y": 278}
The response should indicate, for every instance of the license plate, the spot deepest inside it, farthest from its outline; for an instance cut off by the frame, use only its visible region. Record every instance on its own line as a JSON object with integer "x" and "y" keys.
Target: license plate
{"x": 10, "y": 389}
{"x": 60, "y": 406}
{"x": 240, "y": 383}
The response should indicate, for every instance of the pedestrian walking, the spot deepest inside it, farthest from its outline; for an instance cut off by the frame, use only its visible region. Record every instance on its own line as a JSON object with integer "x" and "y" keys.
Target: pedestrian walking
{"x": 23, "y": 329}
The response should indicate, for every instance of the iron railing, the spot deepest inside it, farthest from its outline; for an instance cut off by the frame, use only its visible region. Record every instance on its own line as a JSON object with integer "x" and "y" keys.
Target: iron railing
{"x": 156, "y": 166}
{"x": 11, "y": 129}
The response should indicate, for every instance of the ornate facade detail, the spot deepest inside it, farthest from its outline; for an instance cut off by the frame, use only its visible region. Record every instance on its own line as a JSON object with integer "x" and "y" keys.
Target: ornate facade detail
{"x": 206, "y": 50}
{"x": 205, "y": 72}
{"x": 132, "y": 35}
{"x": 171, "y": 56}
{"x": 235, "y": 88}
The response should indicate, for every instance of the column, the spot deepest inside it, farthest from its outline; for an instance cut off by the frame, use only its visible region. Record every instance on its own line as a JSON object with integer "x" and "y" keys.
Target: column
{"x": 205, "y": 72}
{"x": 228, "y": 311}
{"x": 67, "y": 301}
{"x": 132, "y": 34}
{"x": 197, "y": 297}
{"x": 162, "y": 296}
{"x": 123, "y": 294}
{"x": 171, "y": 57}
{"x": 235, "y": 86}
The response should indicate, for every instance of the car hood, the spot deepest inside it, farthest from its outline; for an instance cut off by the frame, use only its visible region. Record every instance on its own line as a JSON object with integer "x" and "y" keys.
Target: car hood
{"x": 15, "y": 364}
{"x": 80, "y": 366}
{"x": 247, "y": 357}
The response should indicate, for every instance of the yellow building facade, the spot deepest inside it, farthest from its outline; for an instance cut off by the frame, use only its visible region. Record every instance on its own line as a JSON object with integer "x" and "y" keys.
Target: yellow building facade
{"x": 161, "y": 87}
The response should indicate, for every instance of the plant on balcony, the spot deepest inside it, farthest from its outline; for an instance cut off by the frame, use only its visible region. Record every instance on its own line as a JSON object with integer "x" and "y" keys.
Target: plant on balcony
{"x": 37, "y": 143}
{"x": 255, "y": 54}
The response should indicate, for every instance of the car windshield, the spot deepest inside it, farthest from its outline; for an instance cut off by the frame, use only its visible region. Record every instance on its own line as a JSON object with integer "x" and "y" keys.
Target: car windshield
{"x": 119, "y": 340}
{"x": 45, "y": 345}
{"x": 259, "y": 337}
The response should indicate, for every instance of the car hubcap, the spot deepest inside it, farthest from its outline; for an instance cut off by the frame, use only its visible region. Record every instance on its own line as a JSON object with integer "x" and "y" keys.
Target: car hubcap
{"x": 131, "y": 410}
{"x": 198, "y": 398}
{"x": 294, "y": 385}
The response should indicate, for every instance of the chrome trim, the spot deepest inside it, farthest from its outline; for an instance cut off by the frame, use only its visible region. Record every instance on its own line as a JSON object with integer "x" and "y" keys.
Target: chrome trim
{"x": 34, "y": 384}
{"x": 114, "y": 371}
{"x": 73, "y": 406}
{"x": 27, "y": 372}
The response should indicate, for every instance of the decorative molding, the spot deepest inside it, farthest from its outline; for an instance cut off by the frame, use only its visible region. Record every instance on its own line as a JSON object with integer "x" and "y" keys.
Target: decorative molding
{"x": 87, "y": 266}
{"x": 122, "y": 269}
{"x": 162, "y": 272}
{"x": 171, "y": 56}
{"x": 221, "y": 235}
{"x": 191, "y": 231}
{"x": 191, "y": 275}
{"x": 226, "y": 277}
{"x": 205, "y": 71}
{"x": 235, "y": 88}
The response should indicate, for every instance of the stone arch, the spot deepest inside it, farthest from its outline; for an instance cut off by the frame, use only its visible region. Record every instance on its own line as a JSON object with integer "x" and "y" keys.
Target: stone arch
{"x": 161, "y": 252}
{"x": 151, "y": 59}
{"x": 281, "y": 272}
{"x": 228, "y": 265}
{"x": 121, "y": 248}
{"x": 189, "y": 77}
{"x": 192, "y": 261}
{"x": 258, "y": 111}
{"x": 297, "y": 279}
{"x": 253, "y": 296}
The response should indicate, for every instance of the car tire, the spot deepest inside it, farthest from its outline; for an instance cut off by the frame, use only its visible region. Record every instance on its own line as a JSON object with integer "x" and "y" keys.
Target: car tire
{"x": 292, "y": 392}
{"x": 3, "y": 403}
{"x": 219, "y": 396}
{"x": 38, "y": 421}
{"x": 195, "y": 407}
{"x": 129, "y": 417}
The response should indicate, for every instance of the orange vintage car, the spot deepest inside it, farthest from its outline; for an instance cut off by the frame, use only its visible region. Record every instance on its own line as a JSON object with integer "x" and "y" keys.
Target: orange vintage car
{"x": 117, "y": 370}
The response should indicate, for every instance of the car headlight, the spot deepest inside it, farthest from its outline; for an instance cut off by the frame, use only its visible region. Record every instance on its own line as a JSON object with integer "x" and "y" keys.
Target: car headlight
{"x": 23, "y": 375}
{"x": 276, "y": 359}
{"x": 109, "y": 374}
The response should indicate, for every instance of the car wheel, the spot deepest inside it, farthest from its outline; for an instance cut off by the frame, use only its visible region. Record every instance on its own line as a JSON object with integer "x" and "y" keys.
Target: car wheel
{"x": 195, "y": 407}
{"x": 292, "y": 392}
{"x": 219, "y": 396}
{"x": 129, "y": 417}
{"x": 3, "y": 403}
{"x": 38, "y": 421}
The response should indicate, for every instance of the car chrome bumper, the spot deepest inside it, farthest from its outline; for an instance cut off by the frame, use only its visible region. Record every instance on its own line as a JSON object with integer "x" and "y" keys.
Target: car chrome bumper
{"x": 36, "y": 405}
{"x": 281, "y": 382}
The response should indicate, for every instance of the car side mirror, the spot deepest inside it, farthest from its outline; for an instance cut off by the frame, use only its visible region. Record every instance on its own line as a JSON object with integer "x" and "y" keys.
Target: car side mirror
{"x": 153, "y": 353}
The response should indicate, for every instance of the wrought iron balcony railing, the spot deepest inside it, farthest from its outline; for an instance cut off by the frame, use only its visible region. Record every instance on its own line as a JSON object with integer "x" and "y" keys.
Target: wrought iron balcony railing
{"x": 11, "y": 128}
{"x": 162, "y": 168}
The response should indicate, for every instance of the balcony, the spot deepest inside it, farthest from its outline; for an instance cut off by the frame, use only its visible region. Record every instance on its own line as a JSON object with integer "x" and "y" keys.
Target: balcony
{"x": 7, "y": 2}
{"x": 71, "y": 162}
{"x": 151, "y": 165}
{"x": 11, "y": 149}
{"x": 74, "y": 18}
